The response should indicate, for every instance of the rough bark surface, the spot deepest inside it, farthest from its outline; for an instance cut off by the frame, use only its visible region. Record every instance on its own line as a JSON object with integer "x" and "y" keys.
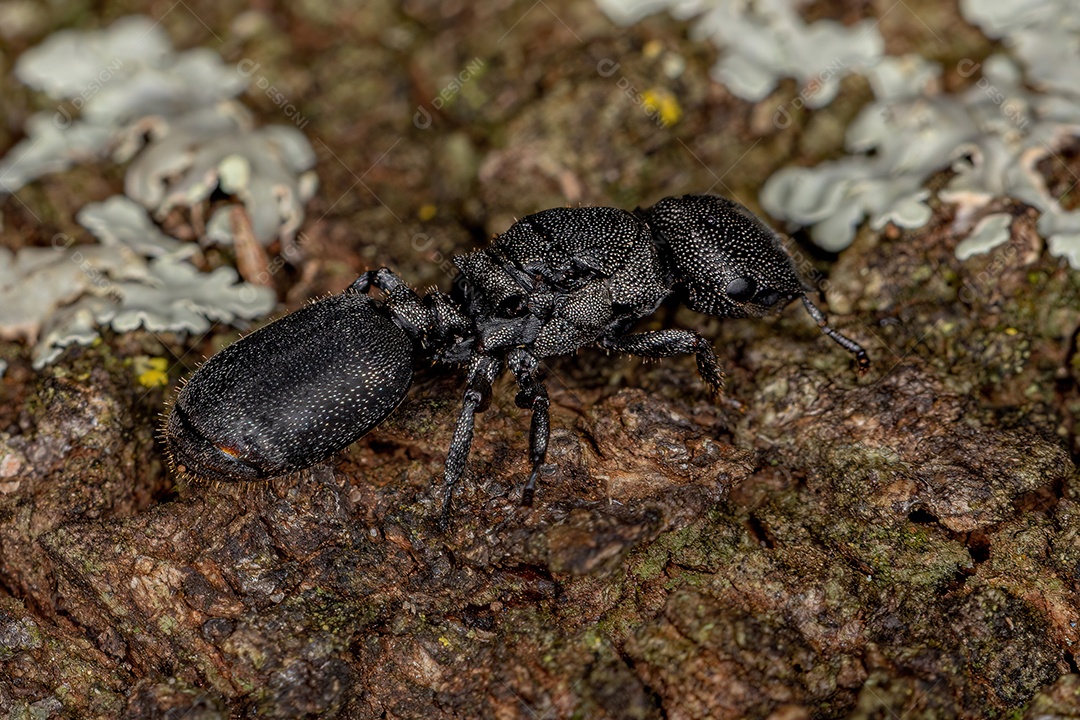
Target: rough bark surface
{"x": 900, "y": 545}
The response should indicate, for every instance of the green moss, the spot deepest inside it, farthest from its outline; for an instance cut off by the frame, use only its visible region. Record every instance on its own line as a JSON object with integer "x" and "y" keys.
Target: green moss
{"x": 167, "y": 624}
{"x": 900, "y": 553}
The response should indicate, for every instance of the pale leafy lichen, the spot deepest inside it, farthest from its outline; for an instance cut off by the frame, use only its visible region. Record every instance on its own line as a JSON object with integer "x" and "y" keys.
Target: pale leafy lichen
{"x": 992, "y": 136}
{"x": 120, "y": 220}
{"x": 60, "y": 296}
{"x": 1019, "y": 110}
{"x": 129, "y": 84}
{"x": 264, "y": 168}
{"x": 174, "y": 114}
{"x": 765, "y": 41}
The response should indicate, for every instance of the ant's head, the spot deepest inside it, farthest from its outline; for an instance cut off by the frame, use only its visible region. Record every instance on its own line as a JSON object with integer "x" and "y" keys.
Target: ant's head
{"x": 726, "y": 262}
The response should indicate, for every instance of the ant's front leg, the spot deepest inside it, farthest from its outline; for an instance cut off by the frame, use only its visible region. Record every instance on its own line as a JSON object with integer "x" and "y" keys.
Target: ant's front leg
{"x": 667, "y": 343}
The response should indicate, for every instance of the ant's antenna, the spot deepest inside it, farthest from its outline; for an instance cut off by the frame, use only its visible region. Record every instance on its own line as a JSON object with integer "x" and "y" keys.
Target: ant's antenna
{"x": 861, "y": 359}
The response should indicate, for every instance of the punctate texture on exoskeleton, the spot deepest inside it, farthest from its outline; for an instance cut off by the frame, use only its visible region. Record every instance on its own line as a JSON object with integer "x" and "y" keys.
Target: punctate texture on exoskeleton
{"x": 295, "y": 392}
{"x": 291, "y": 393}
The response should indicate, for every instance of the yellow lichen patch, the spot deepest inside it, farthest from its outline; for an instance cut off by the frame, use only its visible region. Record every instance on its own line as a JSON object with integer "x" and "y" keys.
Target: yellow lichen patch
{"x": 427, "y": 212}
{"x": 663, "y": 103}
{"x": 151, "y": 371}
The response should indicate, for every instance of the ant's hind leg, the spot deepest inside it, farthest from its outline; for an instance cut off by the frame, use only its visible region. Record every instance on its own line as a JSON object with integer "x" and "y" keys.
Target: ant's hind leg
{"x": 532, "y": 396}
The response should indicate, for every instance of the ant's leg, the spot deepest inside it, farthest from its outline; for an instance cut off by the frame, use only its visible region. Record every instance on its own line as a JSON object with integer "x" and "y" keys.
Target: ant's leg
{"x": 430, "y": 318}
{"x": 385, "y": 280}
{"x": 361, "y": 284}
{"x": 408, "y": 307}
{"x": 532, "y": 396}
{"x": 666, "y": 343}
{"x": 482, "y": 373}
{"x": 538, "y": 440}
{"x": 388, "y": 282}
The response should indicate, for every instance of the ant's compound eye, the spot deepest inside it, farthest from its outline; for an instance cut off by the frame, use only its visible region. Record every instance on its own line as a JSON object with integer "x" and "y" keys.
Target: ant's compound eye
{"x": 741, "y": 289}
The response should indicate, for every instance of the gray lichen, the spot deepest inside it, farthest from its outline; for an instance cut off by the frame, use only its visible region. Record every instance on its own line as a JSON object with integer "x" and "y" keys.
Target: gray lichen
{"x": 56, "y": 297}
{"x": 128, "y": 84}
{"x": 992, "y": 136}
{"x": 1019, "y": 111}
{"x": 766, "y": 41}
{"x": 178, "y": 296}
{"x": 129, "y": 43}
{"x": 37, "y": 282}
{"x": 1042, "y": 34}
{"x": 50, "y": 147}
{"x": 120, "y": 220}
{"x": 114, "y": 76}
{"x": 990, "y": 232}
{"x": 264, "y": 168}
{"x": 172, "y": 115}
{"x": 127, "y": 71}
